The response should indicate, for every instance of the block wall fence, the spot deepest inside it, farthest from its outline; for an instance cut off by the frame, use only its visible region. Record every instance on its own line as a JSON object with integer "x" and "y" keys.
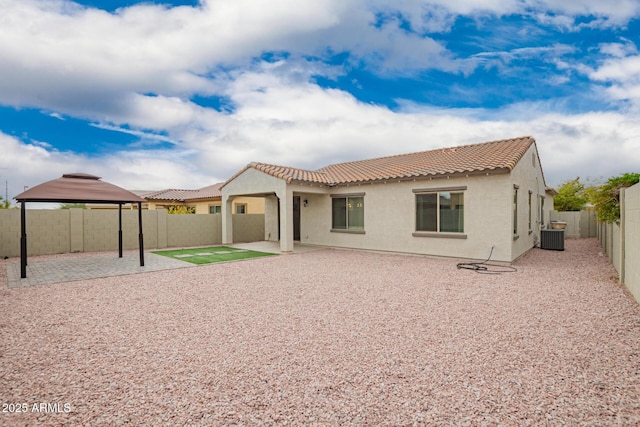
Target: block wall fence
{"x": 87, "y": 230}
{"x": 621, "y": 242}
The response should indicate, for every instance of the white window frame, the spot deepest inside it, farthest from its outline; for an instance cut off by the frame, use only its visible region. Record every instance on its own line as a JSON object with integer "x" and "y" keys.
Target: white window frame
{"x": 347, "y": 197}
{"x": 438, "y": 233}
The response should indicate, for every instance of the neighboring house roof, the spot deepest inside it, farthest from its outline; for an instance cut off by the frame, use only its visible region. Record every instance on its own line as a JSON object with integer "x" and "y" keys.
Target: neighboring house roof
{"x": 494, "y": 156}
{"x": 210, "y": 192}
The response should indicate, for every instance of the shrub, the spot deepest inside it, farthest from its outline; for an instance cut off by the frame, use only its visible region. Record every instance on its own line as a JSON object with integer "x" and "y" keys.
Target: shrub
{"x": 606, "y": 197}
{"x": 181, "y": 210}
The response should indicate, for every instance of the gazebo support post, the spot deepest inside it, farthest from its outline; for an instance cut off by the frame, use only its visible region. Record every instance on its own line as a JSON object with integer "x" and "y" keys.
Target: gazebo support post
{"x": 23, "y": 240}
{"x": 140, "y": 239}
{"x": 120, "y": 230}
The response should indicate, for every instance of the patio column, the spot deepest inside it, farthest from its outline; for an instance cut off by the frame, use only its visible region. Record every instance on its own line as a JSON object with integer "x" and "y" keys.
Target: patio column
{"x": 271, "y": 218}
{"x": 227, "y": 219}
{"x": 285, "y": 197}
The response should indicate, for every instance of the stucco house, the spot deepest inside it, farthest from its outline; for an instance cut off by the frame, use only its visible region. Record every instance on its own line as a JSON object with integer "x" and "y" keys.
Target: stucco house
{"x": 206, "y": 200}
{"x": 454, "y": 202}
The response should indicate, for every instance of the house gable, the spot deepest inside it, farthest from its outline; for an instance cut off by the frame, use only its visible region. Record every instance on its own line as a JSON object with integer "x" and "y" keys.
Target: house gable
{"x": 250, "y": 181}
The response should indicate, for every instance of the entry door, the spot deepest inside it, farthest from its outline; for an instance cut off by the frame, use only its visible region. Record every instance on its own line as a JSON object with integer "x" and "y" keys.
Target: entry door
{"x": 296, "y": 218}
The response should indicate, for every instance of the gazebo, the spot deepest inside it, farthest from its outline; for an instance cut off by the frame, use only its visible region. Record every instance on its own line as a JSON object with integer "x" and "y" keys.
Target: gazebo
{"x": 77, "y": 188}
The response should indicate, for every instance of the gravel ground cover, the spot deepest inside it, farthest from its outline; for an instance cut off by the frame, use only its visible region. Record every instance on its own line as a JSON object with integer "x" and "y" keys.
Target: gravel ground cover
{"x": 331, "y": 337}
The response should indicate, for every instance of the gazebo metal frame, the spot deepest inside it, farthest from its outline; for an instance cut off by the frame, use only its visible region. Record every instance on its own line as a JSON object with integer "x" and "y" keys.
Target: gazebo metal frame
{"x": 78, "y": 188}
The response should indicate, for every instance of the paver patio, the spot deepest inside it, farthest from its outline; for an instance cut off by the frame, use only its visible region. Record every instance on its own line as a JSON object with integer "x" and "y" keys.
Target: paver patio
{"x": 48, "y": 270}
{"x": 330, "y": 337}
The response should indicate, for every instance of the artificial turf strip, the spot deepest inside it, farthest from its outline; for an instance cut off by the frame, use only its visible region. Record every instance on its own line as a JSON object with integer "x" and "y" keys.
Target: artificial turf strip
{"x": 211, "y": 255}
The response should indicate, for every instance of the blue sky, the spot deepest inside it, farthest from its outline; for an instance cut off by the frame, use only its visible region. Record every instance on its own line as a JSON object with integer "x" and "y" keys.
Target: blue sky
{"x": 182, "y": 94}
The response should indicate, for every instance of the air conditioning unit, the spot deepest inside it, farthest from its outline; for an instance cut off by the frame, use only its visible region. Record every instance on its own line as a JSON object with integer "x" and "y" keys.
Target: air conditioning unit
{"x": 552, "y": 240}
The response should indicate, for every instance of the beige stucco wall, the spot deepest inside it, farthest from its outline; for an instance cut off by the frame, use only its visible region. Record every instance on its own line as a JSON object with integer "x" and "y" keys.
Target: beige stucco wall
{"x": 271, "y": 218}
{"x": 390, "y": 212}
{"x": 548, "y": 208}
{"x": 527, "y": 174}
{"x": 253, "y": 183}
{"x": 255, "y": 205}
{"x": 390, "y": 215}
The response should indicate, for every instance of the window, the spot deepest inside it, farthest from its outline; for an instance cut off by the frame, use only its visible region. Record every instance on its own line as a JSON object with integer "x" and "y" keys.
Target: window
{"x": 515, "y": 210}
{"x": 441, "y": 212}
{"x": 541, "y": 210}
{"x": 241, "y": 208}
{"x": 530, "y": 211}
{"x": 215, "y": 209}
{"x": 347, "y": 213}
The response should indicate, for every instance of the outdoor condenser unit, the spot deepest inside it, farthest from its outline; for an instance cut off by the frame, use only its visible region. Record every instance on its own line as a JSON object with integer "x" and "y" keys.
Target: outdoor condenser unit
{"x": 552, "y": 239}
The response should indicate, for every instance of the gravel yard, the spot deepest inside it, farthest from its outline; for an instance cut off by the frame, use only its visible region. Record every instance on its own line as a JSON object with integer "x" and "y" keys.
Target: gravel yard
{"x": 330, "y": 337}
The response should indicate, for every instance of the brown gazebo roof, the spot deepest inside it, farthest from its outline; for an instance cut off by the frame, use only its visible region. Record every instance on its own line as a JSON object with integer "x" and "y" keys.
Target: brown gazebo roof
{"x": 78, "y": 188}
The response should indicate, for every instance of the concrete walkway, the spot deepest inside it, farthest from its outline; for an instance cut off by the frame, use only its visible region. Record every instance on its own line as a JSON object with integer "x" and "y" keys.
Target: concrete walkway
{"x": 87, "y": 266}
{"x": 274, "y": 247}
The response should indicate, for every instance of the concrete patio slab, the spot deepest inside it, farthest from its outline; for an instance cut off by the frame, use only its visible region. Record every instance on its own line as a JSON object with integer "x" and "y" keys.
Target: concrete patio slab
{"x": 274, "y": 247}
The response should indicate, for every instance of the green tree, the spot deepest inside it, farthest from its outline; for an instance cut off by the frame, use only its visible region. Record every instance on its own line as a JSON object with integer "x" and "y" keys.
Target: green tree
{"x": 4, "y": 204}
{"x": 571, "y": 196}
{"x": 181, "y": 210}
{"x": 606, "y": 197}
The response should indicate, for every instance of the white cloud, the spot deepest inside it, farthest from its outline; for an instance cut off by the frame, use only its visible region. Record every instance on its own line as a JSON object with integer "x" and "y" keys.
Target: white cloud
{"x": 619, "y": 50}
{"x": 134, "y": 71}
{"x": 425, "y": 15}
{"x": 87, "y": 62}
{"x": 620, "y": 72}
{"x": 23, "y": 164}
{"x": 303, "y": 125}
{"x": 618, "y": 69}
{"x": 606, "y": 13}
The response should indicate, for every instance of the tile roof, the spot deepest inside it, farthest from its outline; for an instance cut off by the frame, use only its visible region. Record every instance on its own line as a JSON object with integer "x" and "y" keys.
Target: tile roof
{"x": 210, "y": 192}
{"x": 502, "y": 155}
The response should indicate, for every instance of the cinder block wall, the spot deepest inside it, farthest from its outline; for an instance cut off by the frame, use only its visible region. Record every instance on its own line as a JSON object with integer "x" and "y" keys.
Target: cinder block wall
{"x": 247, "y": 228}
{"x": 51, "y": 230}
{"x": 571, "y": 218}
{"x": 87, "y": 230}
{"x": 193, "y": 230}
{"x": 632, "y": 240}
{"x": 9, "y": 232}
{"x": 620, "y": 243}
